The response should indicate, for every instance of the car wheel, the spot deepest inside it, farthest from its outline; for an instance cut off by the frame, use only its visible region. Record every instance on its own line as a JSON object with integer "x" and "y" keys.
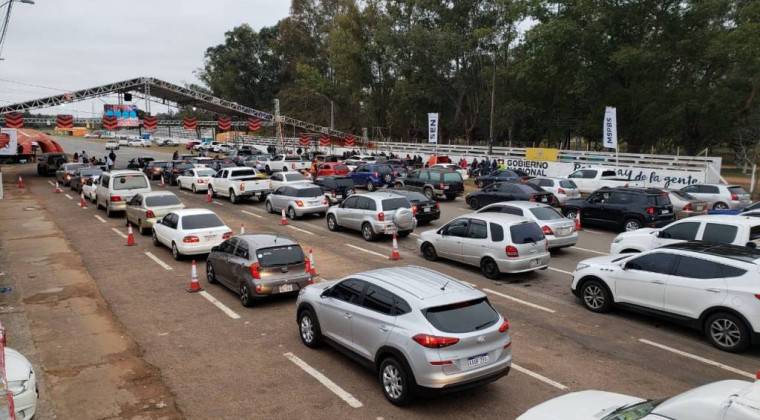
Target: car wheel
{"x": 179, "y": 184}
{"x": 398, "y": 185}
{"x": 210, "y": 275}
{"x": 175, "y": 252}
{"x": 109, "y": 213}
{"x": 395, "y": 381}
{"x": 332, "y": 224}
{"x": 727, "y": 332}
{"x": 192, "y": 187}
{"x": 428, "y": 251}
{"x": 269, "y": 207}
{"x": 268, "y": 170}
{"x": 367, "y": 233}
{"x": 596, "y": 297}
{"x": 631, "y": 225}
{"x": 308, "y": 326}
{"x": 211, "y": 191}
{"x": 292, "y": 213}
{"x": 571, "y": 214}
{"x": 720, "y": 206}
{"x": 474, "y": 203}
{"x": 233, "y": 197}
{"x": 371, "y": 187}
{"x": 155, "y": 239}
{"x": 387, "y": 178}
{"x": 140, "y": 227}
{"x": 404, "y": 233}
{"x": 489, "y": 268}
{"x": 245, "y": 295}
{"x": 429, "y": 193}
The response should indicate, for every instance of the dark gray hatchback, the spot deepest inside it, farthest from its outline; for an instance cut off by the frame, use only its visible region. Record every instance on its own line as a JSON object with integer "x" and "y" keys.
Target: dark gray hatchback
{"x": 256, "y": 266}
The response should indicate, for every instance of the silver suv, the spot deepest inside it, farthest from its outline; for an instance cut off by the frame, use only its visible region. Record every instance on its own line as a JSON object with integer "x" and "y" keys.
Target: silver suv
{"x": 419, "y": 329}
{"x": 373, "y": 214}
{"x": 720, "y": 196}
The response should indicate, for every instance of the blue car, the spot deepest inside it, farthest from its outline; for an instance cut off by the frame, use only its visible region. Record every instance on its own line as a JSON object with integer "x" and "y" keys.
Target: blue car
{"x": 732, "y": 212}
{"x": 372, "y": 175}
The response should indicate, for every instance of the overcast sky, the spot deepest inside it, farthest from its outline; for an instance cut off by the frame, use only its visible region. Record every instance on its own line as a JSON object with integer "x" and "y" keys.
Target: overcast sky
{"x": 75, "y": 44}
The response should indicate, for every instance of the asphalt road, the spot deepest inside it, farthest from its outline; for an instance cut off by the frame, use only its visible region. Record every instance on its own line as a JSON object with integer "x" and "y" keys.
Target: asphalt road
{"x": 225, "y": 361}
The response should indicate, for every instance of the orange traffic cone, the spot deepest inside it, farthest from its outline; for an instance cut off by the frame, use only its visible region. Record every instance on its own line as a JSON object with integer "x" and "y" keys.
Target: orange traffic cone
{"x": 57, "y": 188}
{"x": 20, "y": 184}
{"x": 130, "y": 235}
{"x": 208, "y": 195}
{"x": 394, "y": 251}
{"x": 195, "y": 285}
{"x": 82, "y": 202}
{"x": 283, "y": 219}
{"x": 242, "y": 228}
{"x": 162, "y": 181}
{"x": 312, "y": 265}
{"x": 578, "y": 226}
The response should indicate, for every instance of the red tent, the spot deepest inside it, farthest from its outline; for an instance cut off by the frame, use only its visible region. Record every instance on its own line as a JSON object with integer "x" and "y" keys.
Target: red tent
{"x": 46, "y": 143}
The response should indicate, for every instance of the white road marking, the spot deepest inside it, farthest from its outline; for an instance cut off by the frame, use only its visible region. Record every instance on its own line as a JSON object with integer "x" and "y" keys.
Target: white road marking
{"x": 252, "y": 214}
{"x": 570, "y": 273}
{"x": 184, "y": 192}
{"x": 324, "y": 380}
{"x": 589, "y": 250}
{"x": 367, "y": 251}
{"x": 230, "y": 313}
{"x": 541, "y": 378}
{"x": 699, "y": 359}
{"x": 526, "y": 303}
{"x": 102, "y": 220}
{"x": 301, "y": 230}
{"x": 415, "y": 235}
{"x": 158, "y": 261}
{"x": 473, "y": 285}
{"x": 69, "y": 197}
{"x": 218, "y": 203}
{"x": 118, "y": 232}
{"x": 51, "y": 183}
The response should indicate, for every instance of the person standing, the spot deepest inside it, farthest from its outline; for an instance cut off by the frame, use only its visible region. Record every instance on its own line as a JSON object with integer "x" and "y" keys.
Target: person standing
{"x": 175, "y": 156}
{"x": 112, "y": 159}
{"x": 109, "y": 163}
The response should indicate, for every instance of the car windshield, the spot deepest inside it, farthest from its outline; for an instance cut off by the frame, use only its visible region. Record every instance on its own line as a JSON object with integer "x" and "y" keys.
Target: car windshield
{"x": 310, "y": 192}
{"x": 528, "y": 188}
{"x": 525, "y": 233}
{"x": 74, "y": 166}
{"x": 201, "y": 221}
{"x": 390, "y": 204}
{"x": 633, "y": 411}
{"x": 162, "y": 200}
{"x": 129, "y": 182}
{"x": 452, "y": 177}
{"x": 659, "y": 200}
{"x": 292, "y": 159}
{"x": 462, "y": 317}
{"x": 243, "y": 173}
{"x": 295, "y": 177}
{"x": 340, "y": 168}
{"x": 205, "y": 172}
{"x": 546, "y": 213}
{"x": 90, "y": 172}
{"x": 280, "y": 255}
{"x": 737, "y": 190}
{"x": 567, "y": 183}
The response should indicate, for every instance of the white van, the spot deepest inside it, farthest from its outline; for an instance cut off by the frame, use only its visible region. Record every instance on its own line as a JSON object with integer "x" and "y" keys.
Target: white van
{"x": 118, "y": 187}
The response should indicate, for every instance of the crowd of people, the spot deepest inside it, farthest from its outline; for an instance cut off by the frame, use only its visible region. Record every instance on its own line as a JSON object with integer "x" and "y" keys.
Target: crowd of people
{"x": 108, "y": 161}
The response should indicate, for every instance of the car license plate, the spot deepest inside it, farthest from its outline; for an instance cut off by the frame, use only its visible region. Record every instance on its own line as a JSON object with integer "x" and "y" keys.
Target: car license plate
{"x": 536, "y": 261}
{"x": 478, "y": 360}
{"x": 339, "y": 196}
{"x": 209, "y": 237}
{"x": 285, "y": 288}
{"x": 543, "y": 199}
{"x": 665, "y": 211}
{"x": 426, "y": 209}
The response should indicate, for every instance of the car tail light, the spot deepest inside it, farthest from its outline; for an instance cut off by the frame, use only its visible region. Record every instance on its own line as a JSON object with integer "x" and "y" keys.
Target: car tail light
{"x": 757, "y": 295}
{"x": 504, "y": 327}
{"x": 200, "y": 181}
{"x": 532, "y": 198}
{"x": 561, "y": 191}
{"x": 376, "y": 175}
{"x": 299, "y": 203}
{"x": 68, "y": 177}
{"x": 511, "y": 251}
{"x": 438, "y": 206}
{"x": 189, "y": 239}
{"x": 734, "y": 197}
{"x": 115, "y": 198}
{"x": 434, "y": 342}
{"x": 380, "y": 217}
{"x": 255, "y": 271}
{"x": 650, "y": 211}
{"x": 242, "y": 186}
{"x": 149, "y": 214}
{"x": 547, "y": 230}
{"x": 414, "y": 210}
{"x": 687, "y": 207}
{"x": 440, "y": 362}
{"x": 227, "y": 235}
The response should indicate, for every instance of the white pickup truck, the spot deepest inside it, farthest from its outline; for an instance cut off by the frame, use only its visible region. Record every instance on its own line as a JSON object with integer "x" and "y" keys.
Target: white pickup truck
{"x": 589, "y": 180}
{"x": 239, "y": 183}
{"x": 285, "y": 163}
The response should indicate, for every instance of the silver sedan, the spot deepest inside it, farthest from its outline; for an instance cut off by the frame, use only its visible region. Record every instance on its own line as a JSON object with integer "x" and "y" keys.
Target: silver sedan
{"x": 298, "y": 200}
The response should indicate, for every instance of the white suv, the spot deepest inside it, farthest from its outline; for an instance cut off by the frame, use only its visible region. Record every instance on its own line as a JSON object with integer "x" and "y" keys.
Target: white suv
{"x": 736, "y": 230}
{"x": 714, "y": 288}
{"x": 115, "y": 188}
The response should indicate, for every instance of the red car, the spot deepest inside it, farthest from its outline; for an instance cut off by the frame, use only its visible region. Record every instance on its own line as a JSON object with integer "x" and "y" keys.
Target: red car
{"x": 189, "y": 145}
{"x": 332, "y": 168}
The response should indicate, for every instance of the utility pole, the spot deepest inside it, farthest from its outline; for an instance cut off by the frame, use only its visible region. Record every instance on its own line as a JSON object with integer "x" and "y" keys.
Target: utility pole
{"x": 493, "y": 102}
{"x": 332, "y": 115}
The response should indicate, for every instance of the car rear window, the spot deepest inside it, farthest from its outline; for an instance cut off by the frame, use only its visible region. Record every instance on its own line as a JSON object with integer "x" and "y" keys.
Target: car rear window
{"x": 129, "y": 182}
{"x": 546, "y": 213}
{"x": 309, "y": 192}
{"x": 162, "y": 200}
{"x": 658, "y": 200}
{"x": 201, "y": 221}
{"x": 528, "y": 188}
{"x": 566, "y": 183}
{"x": 205, "y": 172}
{"x": 754, "y": 233}
{"x": 340, "y": 168}
{"x": 280, "y": 255}
{"x": 295, "y": 177}
{"x": 390, "y": 204}
{"x": 383, "y": 169}
{"x": 737, "y": 190}
{"x": 452, "y": 177}
{"x": 525, "y": 233}
{"x": 462, "y": 317}
{"x": 292, "y": 159}
{"x": 243, "y": 173}
{"x": 682, "y": 195}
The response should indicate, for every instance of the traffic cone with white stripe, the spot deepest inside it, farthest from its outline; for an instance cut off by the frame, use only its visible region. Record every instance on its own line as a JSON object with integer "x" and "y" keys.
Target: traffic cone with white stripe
{"x": 57, "y": 188}
{"x": 130, "y": 235}
{"x": 208, "y": 195}
{"x": 82, "y": 202}
{"x": 20, "y": 183}
{"x": 578, "y": 226}
{"x": 195, "y": 285}
{"x": 283, "y": 219}
{"x": 242, "y": 228}
{"x": 162, "y": 181}
{"x": 312, "y": 265}
{"x": 394, "y": 251}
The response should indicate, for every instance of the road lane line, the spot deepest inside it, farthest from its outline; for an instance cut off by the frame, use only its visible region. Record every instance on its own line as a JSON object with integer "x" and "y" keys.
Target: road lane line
{"x": 367, "y": 251}
{"x": 218, "y": 203}
{"x": 570, "y": 273}
{"x": 324, "y": 380}
{"x": 69, "y": 197}
{"x": 526, "y": 303}
{"x": 252, "y": 214}
{"x": 589, "y": 250}
{"x": 118, "y": 232}
{"x": 540, "y": 377}
{"x": 230, "y": 313}
{"x": 158, "y": 261}
{"x": 699, "y": 358}
{"x": 185, "y": 192}
{"x": 102, "y": 220}
{"x": 473, "y": 285}
{"x": 51, "y": 183}
{"x": 301, "y": 230}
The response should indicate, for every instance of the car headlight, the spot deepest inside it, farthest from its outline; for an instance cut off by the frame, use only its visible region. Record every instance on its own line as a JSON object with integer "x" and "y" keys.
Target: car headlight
{"x": 17, "y": 387}
{"x": 581, "y": 266}
{"x": 616, "y": 240}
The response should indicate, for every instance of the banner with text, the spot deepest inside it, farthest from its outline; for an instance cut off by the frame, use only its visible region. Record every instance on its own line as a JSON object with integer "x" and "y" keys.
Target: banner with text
{"x": 609, "y": 132}
{"x": 433, "y": 128}
{"x": 8, "y": 141}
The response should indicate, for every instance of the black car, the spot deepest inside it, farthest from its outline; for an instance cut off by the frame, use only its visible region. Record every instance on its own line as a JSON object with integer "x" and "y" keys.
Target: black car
{"x": 510, "y": 191}
{"x": 337, "y": 188}
{"x": 155, "y": 170}
{"x": 433, "y": 183}
{"x": 424, "y": 209}
{"x": 219, "y": 164}
{"x": 175, "y": 169}
{"x": 499, "y": 175}
{"x": 623, "y": 208}
{"x": 48, "y": 163}
{"x": 82, "y": 175}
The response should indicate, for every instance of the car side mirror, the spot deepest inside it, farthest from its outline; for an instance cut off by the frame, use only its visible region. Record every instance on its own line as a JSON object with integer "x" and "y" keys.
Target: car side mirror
{"x": 751, "y": 245}
{"x": 663, "y": 234}
{"x": 325, "y": 293}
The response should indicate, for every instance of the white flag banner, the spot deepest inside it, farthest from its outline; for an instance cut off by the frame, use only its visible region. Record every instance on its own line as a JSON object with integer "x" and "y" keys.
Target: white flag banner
{"x": 609, "y": 131}
{"x": 433, "y": 128}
